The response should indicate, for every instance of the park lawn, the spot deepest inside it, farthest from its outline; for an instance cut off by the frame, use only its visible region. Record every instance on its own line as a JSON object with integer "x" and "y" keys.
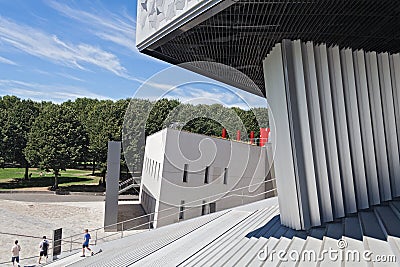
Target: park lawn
{"x": 12, "y": 178}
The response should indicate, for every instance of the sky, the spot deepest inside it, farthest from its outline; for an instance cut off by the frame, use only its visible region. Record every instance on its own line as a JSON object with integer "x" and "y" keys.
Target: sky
{"x": 61, "y": 50}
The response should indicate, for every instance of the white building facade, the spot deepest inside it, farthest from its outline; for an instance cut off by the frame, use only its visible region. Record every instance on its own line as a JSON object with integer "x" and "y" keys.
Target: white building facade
{"x": 186, "y": 175}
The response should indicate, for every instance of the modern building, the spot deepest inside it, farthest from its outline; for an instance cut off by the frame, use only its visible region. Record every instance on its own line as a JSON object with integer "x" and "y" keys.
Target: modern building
{"x": 330, "y": 70}
{"x": 331, "y": 73}
{"x": 186, "y": 175}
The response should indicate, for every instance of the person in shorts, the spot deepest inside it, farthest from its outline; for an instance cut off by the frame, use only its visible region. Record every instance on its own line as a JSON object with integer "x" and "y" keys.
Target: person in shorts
{"x": 15, "y": 253}
{"x": 44, "y": 247}
{"x": 85, "y": 244}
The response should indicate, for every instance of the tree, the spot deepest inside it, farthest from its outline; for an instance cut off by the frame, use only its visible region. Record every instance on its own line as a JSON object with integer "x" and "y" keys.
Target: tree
{"x": 2, "y": 136}
{"x": 133, "y": 132}
{"x": 104, "y": 123}
{"x": 57, "y": 140}
{"x": 158, "y": 115}
{"x": 18, "y": 117}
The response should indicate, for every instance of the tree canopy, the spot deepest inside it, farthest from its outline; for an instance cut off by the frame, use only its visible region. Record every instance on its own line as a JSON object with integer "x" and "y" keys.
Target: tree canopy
{"x": 59, "y": 136}
{"x": 57, "y": 140}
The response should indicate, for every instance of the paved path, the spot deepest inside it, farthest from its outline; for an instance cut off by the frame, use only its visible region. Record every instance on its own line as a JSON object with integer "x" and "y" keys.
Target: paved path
{"x": 27, "y": 217}
{"x": 37, "y": 197}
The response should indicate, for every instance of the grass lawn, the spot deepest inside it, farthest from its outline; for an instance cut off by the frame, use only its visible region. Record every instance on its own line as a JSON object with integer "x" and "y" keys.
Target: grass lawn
{"x": 12, "y": 178}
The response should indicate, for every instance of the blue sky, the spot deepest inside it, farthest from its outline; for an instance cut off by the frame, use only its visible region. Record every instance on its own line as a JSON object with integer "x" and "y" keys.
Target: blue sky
{"x": 60, "y": 50}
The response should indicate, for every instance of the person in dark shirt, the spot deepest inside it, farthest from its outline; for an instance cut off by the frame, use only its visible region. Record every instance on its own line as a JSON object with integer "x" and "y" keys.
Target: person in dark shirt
{"x": 44, "y": 247}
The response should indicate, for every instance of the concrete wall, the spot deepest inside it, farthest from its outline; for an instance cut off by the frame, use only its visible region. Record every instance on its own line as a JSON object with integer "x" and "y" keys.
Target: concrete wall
{"x": 336, "y": 139}
{"x": 152, "y": 171}
{"x": 246, "y": 166}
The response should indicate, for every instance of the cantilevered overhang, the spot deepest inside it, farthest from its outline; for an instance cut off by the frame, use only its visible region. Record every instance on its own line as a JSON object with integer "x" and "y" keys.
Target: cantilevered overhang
{"x": 241, "y": 33}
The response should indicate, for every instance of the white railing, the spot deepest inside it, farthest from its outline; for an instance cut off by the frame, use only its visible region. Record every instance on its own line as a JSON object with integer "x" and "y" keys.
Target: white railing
{"x": 145, "y": 222}
{"x": 73, "y": 244}
{"x": 128, "y": 184}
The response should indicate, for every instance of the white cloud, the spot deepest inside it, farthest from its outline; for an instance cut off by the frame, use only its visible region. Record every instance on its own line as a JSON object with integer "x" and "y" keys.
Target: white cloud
{"x": 50, "y": 47}
{"x": 7, "y": 61}
{"x": 68, "y": 76}
{"x": 118, "y": 29}
{"x": 224, "y": 95}
{"x": 57, "y": 92}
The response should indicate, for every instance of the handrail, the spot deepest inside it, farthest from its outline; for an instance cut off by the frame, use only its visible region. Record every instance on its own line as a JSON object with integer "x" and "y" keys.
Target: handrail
{"x": 128, "y": 180}
{"x": 153, "y": 213}
{"x": 71, "y": 241}
{"x": 76, "y": 239}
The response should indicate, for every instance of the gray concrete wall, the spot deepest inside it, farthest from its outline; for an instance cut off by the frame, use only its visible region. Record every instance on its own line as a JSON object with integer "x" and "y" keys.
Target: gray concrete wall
{"x": 112, "y": 185}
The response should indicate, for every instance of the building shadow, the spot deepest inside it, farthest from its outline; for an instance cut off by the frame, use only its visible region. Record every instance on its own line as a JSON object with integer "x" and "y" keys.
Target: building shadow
{"x": 127, "y": 214}
{"x": 377, "y": 222}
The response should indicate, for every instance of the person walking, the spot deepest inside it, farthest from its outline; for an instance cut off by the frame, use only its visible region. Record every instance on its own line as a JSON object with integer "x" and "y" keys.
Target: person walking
{"x": 85, "y": 244}
{"x": 44, "y": 247}
{"x": 15, "y": 253}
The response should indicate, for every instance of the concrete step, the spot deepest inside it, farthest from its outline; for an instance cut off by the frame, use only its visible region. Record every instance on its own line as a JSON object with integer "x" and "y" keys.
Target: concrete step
{"x": 390, "y": 224}
{"x": 252, "y": 252}
{"x": 126, "y": 251}
{"x": 283, "y": 245}
{"x": 374, "y": 238}
{"x": 173, "y": 254}
{"x": 334, "y": 232}
{"x": 239, "y": 254}
{"x": 296, "y": 245}
{"x": 353, "y": 241}
{"x": 221, "y": 253}
{"x": 271, "y": 244}
{"x": 240, "y": 240}
{"x": 199, "y": 255}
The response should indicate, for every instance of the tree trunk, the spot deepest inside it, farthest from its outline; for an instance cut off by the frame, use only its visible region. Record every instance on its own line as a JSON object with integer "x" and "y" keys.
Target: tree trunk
{"x": 26, "y": 175}
{"x": 104, "y": 178}
{"x": 93, "y": 167}
{"x": 56, "y": 180}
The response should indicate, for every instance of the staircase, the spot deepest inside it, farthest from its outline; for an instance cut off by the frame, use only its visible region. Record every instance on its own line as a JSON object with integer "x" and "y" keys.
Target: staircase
{"x": 235, "y": 238}
{"x": 133, "y": 182}
{"x": 376, "y": 229}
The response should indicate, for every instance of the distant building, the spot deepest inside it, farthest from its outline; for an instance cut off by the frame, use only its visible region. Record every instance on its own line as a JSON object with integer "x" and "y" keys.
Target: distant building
{"x": 186, "y": 175}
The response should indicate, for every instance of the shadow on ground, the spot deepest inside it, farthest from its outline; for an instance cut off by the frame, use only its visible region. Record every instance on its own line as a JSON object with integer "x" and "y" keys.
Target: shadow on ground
{"x": 377, "y": 222}
{"x": 129, "y": 211}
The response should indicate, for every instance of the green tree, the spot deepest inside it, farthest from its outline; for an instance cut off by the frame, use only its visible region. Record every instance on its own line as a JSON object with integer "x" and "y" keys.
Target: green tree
{"x": 2, "y": 136}
{"x": 158, "y": 115}
{"x": 57, "y": 140}
{"x": 104, "y": 123}
{"x": 18, "y": 117}
{"x": 133, "y": 132}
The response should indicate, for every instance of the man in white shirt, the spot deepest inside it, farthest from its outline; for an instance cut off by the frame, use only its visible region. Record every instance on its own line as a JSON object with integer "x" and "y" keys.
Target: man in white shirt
{"x": 44, "y": 246}
{"x": 15, "y": 253}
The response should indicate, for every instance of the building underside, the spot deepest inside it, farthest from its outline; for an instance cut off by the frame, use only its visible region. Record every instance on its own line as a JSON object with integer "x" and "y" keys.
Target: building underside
{"x": 242, "y": 34}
